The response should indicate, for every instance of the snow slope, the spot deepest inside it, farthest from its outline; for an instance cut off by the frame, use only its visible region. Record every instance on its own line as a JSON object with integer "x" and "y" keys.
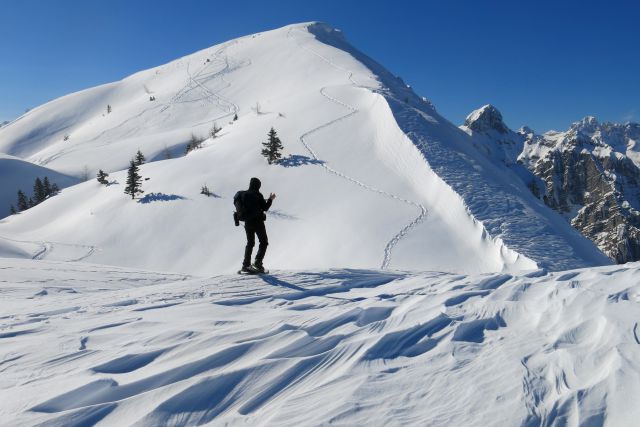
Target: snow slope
{"x": 17, "y": 174}
{"x": 373, "y": 177}
{"x": 84, "y": 344}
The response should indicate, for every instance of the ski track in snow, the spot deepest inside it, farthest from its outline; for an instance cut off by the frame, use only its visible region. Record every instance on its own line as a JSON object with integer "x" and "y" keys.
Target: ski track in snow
{"x": 46, "y": 248}
{"x": 86, "y": 342}
{"x": 228, "y": 107}
{"x": 352, "y": 111}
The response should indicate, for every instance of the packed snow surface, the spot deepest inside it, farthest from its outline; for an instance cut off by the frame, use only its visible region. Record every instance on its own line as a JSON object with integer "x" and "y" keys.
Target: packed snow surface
{"x": 84, "y": 344}
{"x": 372, "y": 176}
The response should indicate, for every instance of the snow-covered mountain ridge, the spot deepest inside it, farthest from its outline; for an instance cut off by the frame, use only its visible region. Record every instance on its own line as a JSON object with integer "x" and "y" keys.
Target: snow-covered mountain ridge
{"x": 590, "y": 174}
{"x": 373, "y": 176}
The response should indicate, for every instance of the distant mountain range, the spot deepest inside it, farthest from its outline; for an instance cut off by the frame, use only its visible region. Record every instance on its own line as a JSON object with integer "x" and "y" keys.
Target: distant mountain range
{"x": 589, "y": 174}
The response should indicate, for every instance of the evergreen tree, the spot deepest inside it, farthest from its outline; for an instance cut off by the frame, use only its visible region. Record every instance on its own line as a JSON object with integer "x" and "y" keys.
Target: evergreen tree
{"x": 272, "y": 147}
{"x": 205, "y": 190}
{"x": 196, "y": 142}
{"x": 47, "y": 187}
{"x": 102, "y": 177}
{"x": 108, "y": 109}
{"x": 134, "y": 181}
{"x": 140, "y": 159}
{"x": 214, "y": 130}
{"x": 235, "y": 117}
{"x": 23, "y": 203}
{"x": 39, "y": 193}
{"x": 32, "y": 203}
{"x": 54, "y": 189}
{"x": 12, "y": 210}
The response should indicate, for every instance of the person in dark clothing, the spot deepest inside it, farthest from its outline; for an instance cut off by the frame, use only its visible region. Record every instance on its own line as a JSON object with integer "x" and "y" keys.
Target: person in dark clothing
{"x": 255, "y": 207}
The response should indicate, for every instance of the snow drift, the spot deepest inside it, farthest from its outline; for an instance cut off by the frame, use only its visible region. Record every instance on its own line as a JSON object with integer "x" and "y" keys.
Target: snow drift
{"x": 98, "y": 344}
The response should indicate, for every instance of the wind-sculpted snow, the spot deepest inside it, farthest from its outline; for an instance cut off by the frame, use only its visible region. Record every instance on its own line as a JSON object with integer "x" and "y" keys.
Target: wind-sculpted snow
{"x": 355, "y": 347}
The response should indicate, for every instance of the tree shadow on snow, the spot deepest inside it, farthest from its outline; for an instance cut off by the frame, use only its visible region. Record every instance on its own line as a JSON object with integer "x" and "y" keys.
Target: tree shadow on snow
{"x": 160, "y": 197}
{"x": 295, "y": 160}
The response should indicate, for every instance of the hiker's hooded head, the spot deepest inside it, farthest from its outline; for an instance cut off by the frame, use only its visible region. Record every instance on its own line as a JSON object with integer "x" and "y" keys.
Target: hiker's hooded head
{"x": 254, "y": 184}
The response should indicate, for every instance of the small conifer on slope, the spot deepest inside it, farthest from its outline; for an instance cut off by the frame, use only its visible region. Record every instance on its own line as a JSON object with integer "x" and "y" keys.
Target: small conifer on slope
{"x": 134, "y": 181}
{"x": 39, "y": 193}
{"x": 140, "y": 159}
{"x": 272, "y": 147}
{"x": 102, "y": 177}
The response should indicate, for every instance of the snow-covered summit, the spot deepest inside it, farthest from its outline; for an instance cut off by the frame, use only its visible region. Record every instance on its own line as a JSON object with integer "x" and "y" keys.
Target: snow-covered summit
{"x": 588, "y": 124}
{"x": 372, "y": 175}
{"x": 492, "y": 136}
{"x": 486, "y": 118}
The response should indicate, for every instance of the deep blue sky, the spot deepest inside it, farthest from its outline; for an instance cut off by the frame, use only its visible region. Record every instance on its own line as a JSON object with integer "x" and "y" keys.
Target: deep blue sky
{"x": 542, "y": 63}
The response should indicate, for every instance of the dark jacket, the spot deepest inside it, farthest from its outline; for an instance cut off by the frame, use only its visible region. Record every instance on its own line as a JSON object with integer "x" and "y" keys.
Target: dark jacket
{"x": 254, "y": 202}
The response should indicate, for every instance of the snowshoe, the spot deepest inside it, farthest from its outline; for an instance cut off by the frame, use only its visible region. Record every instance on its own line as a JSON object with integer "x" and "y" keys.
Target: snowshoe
{"x": 259, "y": 269}
{"x": 253, "y": 270}
{"x": 246, "y": 270}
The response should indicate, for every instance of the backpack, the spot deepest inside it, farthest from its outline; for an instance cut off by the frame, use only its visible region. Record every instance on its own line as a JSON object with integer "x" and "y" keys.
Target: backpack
{"x": 238, "y": 202}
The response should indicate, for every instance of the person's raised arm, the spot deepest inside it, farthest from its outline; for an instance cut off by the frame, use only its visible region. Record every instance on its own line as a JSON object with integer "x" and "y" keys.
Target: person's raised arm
{"x": 269, "y": 201}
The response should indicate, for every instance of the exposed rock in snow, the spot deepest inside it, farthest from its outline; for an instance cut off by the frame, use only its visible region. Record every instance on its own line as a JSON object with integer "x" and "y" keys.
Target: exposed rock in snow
{"x": 591, "y": 175}
{"x": 485, "y": 119}
{"x": 491, "y": 136}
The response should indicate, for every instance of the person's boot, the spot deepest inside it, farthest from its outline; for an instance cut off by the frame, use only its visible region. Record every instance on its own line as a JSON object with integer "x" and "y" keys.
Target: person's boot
{"x": 257, "y": 266}
{"x": 246, "y": 269}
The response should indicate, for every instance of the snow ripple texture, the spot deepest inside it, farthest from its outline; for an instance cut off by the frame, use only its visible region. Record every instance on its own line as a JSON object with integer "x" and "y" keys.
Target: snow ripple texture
{"x": 83, "y": 344}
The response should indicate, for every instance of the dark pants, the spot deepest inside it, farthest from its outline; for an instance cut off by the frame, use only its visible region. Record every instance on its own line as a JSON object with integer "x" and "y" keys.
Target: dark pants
{"x": 252, "y": 228}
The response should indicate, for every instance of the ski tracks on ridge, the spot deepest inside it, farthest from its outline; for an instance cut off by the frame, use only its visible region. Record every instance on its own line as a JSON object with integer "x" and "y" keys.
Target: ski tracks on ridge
{"x": 196, "y": 81}
{"x": 352, "y": 111}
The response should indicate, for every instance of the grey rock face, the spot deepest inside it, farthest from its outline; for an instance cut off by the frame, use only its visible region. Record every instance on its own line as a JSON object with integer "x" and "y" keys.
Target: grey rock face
{"x": 589, "y": 177}
{"x": 491, "y": 136}
{"x": 486, "y": 119}
{"x": 589, "y": 174}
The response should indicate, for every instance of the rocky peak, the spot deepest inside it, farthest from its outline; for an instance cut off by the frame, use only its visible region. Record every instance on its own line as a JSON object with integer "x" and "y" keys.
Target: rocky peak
{"x": 485, "y": 119}
{"x": 526, "y": 131}
{"x": 588, "y": 125}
